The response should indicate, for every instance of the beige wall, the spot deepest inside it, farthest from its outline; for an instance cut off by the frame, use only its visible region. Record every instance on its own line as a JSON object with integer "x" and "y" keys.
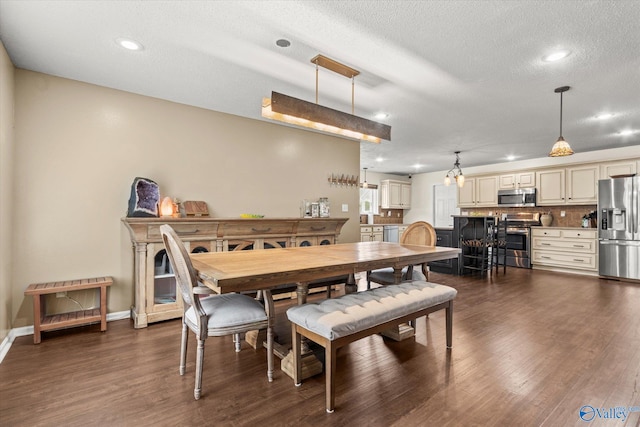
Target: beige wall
{"x": 79, "y": 147}
{"x": 6, "y": 187}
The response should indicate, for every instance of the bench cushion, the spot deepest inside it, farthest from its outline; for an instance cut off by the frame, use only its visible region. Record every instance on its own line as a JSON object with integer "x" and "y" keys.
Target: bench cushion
{"x": 348, "y": 314}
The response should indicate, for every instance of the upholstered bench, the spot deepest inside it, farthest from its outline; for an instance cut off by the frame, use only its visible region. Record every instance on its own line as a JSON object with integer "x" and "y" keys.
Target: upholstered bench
{"x": 334, "y": 323}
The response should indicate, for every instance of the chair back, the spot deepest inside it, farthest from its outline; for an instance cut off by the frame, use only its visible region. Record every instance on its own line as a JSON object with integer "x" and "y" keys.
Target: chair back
{"x": 183, "y": 269}
{"x": 419, "y": 233}
{"x": 500, "y": 232}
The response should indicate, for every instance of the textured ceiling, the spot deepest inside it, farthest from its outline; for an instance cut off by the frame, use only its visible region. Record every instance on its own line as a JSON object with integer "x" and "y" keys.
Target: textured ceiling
{"x": 453, "y": 75}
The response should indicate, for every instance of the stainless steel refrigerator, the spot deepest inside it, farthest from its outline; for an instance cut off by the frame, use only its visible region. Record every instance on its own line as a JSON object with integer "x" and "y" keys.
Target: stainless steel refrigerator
{"x": 619, "y": 227}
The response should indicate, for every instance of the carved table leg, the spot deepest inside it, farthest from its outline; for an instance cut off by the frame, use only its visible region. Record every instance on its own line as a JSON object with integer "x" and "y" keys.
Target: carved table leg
{"x": 403, "y": 331}
{"x": 310, "y": 364}
{"x": 351, "y": 286}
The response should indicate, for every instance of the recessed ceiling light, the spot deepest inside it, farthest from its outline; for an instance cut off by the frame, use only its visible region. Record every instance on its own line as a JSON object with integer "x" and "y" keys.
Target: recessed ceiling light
{"x": 604, "y": 116}
{"x": 283, "y": 43}
{"x": 129, "y": 44}
{"x": 556, "y": 56}
{"x": 379, "y": 159}
{"x": 626, "y": 132}
{"x": 511, "y": 157}
{"x": 417, "y": 166}
{"x": 381, "y": 116}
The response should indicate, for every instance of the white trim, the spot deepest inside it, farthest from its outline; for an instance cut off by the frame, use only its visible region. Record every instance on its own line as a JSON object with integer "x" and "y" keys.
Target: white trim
{"x": 28, "y": 330}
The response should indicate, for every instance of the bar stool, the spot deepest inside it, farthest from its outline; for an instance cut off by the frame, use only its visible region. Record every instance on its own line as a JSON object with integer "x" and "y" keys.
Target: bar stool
{"x": 476, "y": 242}
{"x": 499, "y": 247}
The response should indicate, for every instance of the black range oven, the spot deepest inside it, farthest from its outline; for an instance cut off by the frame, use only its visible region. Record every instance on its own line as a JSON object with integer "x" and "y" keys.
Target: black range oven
{"x": 519, "y": 237}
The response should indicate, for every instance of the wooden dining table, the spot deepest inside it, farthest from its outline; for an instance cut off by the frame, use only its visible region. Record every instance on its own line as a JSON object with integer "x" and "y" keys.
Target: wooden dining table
{"x": 254, "y": 270}
{"x": 238, "y": 271}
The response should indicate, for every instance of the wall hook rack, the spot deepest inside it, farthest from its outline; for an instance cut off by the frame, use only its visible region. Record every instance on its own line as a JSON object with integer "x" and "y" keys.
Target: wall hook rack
{"x": 343, "y": 180}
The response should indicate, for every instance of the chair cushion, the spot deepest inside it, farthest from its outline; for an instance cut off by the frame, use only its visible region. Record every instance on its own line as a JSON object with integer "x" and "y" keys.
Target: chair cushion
{"x": 385, "y": 275}
{"x": 229, "y": 310}
{"x": 351, "y": 313}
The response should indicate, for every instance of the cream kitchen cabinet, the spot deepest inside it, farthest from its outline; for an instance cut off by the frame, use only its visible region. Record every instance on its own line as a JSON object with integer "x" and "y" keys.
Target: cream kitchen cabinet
{"x": 551, "y": 187}
{"x": 480, "y": 191}
{"x": 582, "y": 184}
{"x": 622, "y": 167}
{"x": 575, "y": 185}
{"x": 395, "y": 194}
{"x": 565, "y": 248}
{"x": 371, "y": 233}
{"x": 517, "y": 180}
{"x": 467, "y": 194}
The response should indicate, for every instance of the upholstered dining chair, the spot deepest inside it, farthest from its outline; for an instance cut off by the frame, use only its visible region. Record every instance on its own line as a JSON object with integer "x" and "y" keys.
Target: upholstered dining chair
{"x": 419, "y": 233}
{"x": 214, "y": 315}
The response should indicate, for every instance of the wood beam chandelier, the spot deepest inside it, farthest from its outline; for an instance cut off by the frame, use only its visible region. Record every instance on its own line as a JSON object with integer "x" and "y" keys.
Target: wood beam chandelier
{"x": 297, "y": 112}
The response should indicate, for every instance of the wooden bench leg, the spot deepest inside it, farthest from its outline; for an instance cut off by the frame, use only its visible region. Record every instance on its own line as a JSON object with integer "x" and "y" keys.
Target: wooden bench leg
{"x": 103, "y": 308}
{"x": 38, "y": 311}
{"x": 449, "y": 321}
{"x": 330, "y": 369}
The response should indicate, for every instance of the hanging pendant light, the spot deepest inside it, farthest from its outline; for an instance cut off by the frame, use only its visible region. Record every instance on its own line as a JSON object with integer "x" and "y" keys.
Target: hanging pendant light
{"x": 561, "y": 147}
{"x": 456, "y": 172}
{"x": 298, "y": 112}
{"x": 365, "y": 184}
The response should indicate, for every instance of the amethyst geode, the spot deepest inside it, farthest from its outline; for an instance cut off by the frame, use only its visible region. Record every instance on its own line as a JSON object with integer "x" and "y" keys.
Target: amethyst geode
{"x": 145, "y": 195}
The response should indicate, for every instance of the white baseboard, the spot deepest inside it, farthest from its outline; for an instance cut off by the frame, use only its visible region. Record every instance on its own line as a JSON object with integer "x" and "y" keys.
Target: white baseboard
{"x": 28, "y": 330}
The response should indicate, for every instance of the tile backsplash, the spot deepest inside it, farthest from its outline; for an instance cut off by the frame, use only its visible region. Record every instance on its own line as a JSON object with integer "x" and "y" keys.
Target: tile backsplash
{"x": 573, "y": 214}
{"x": 387, "y": 216}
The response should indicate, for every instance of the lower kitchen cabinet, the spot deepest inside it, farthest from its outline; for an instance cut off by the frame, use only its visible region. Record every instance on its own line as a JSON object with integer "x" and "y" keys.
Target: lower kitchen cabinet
{"x": 371, "y": 233}
{"x": 571, "y": 249}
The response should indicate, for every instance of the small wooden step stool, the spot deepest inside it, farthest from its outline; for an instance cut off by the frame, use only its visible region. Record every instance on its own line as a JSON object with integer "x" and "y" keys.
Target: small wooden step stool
{"x": 44, "y": 322}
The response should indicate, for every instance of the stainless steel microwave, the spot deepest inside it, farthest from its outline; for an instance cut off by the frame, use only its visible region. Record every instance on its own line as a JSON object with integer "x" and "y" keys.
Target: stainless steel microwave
{"x": 523, "y": 197}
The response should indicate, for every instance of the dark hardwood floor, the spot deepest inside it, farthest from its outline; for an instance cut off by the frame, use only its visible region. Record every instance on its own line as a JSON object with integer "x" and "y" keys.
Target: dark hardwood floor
{"x": 530, "y": 348}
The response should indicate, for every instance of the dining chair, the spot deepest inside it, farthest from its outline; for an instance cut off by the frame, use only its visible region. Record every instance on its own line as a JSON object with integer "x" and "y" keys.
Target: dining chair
{"x": 214, "y": 315}
{"x": 419, "y": 233}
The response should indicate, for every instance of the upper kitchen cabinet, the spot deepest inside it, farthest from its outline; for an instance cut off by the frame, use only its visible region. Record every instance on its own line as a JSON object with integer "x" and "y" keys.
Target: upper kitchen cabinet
{"x": 481, "y": 191}
{"x": 550, "y": 187}
{"x": 395, "y": 194}
{"x": 582, "y": 185}
{"x": 517, "y": 180}
{"x": 575, "y": 185}
{"x": 623, "y": 167}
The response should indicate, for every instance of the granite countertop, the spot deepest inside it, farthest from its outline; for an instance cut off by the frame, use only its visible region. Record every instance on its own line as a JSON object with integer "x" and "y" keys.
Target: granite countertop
{"x": 473, "y": 216}
{"x": 565, "y": 227}
{"x": 384, "y": 225}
